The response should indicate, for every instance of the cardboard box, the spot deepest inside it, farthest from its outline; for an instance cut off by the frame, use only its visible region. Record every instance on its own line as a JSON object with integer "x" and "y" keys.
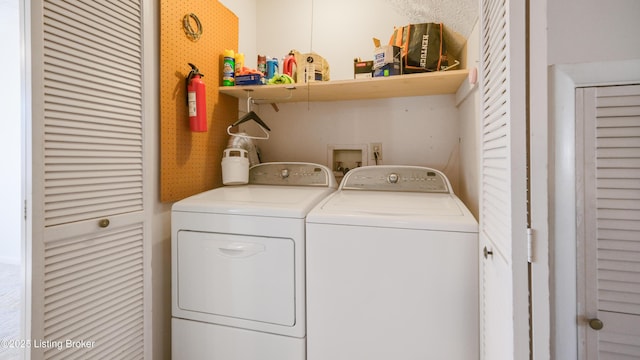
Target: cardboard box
{"x": 250, "y": 79}
{"x": 386, "y": 61}
{"x": 362, "y": 69}
{"x": 387, "y": 70}
{"x": 310, "y": 67}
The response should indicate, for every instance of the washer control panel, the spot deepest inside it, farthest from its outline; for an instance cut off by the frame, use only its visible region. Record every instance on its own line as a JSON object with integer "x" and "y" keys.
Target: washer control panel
{"x": 291, "y": 173}
{"x": 396, "y": 178}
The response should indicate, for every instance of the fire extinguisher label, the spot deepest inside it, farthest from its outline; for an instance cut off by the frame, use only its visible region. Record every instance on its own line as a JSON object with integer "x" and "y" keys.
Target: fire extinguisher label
{"x": 191, "y": 96}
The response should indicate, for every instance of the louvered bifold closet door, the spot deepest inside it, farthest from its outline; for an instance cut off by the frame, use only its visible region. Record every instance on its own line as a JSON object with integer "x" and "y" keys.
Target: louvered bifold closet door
{"x": 612, "y": 220}
{"x": 93, "y": 112}
{"x": 93, "y": 251}
{"x": 503, "y": 267}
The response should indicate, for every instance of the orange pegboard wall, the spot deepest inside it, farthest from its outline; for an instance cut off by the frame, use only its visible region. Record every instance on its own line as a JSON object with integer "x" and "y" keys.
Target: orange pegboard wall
{"x": 190, "y": 161}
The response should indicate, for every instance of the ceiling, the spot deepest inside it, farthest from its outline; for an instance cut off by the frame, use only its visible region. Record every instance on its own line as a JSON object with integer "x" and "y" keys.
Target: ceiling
{"x": 458, "y": 15}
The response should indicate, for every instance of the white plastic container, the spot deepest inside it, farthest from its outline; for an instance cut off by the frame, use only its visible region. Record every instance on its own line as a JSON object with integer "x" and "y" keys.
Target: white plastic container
{"x": 235, "y": 166}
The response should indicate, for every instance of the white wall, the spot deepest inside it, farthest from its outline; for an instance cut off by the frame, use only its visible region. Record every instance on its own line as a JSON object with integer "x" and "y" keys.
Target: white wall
{"x": 470, "y": 127}
{"x": 10, "y": 136}
{"x": 413, "y": 131}
{"x": 337, "y": 30}
{"x": 582, "y": 31}
{"x": 159, "y": 213}
{"x": 246, "y": 12}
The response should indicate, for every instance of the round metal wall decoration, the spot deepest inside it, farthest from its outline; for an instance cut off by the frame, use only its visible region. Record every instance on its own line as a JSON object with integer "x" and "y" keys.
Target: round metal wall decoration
{"x": 188, "y": 29}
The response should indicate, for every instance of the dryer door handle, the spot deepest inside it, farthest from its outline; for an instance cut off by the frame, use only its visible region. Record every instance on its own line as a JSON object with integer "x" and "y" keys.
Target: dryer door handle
{"x": 240, "y": 250}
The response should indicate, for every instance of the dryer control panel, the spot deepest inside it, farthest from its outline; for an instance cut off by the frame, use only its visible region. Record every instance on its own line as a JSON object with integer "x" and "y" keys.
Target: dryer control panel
{"x": 292, "y": 173}
{"x": 396, "y": 178}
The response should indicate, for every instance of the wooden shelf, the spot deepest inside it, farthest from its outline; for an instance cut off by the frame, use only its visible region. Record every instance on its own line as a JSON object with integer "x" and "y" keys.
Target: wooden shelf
{"x": 436, "y": 83}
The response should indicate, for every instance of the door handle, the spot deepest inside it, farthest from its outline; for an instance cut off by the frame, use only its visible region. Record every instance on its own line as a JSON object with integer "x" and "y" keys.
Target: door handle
{"x": 241, "y": 250}
{"x": 596, "y": 324}
{"x": 487, "y": 252}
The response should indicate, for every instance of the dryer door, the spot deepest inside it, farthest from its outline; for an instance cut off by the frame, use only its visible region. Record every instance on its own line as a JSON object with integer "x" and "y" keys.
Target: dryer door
{"x": 237, "y": 276}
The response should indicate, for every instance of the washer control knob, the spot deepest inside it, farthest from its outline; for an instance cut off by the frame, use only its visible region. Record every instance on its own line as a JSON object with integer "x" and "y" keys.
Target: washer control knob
{"x": 284, "y": 173}
{"x": 392, "y": 178}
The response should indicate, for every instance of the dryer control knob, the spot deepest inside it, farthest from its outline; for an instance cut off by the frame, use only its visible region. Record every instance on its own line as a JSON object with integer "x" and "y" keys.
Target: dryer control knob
{"x": 392, "y": 178}
{"x": 284, "y": 173}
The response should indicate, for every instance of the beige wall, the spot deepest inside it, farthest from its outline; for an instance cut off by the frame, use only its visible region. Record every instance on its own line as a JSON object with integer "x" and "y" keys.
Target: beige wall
{"x": 582, "y": 31}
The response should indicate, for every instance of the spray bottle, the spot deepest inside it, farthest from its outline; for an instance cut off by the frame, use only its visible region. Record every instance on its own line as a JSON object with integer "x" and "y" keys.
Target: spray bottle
{"x": 228, "y": 68}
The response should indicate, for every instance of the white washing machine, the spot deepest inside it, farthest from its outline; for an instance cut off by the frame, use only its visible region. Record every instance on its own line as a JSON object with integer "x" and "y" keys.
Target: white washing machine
{"x": 392, "y": 269}
{"x": 238, "y": 265}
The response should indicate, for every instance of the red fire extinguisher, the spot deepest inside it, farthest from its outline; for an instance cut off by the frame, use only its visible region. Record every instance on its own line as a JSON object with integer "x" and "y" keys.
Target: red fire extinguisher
{"x": 196, "y": 100}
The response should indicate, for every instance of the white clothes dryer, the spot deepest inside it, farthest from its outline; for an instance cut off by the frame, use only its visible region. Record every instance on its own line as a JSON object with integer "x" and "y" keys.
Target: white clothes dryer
{"x": 392, "y": 269}
{"x": 238, "y": 265}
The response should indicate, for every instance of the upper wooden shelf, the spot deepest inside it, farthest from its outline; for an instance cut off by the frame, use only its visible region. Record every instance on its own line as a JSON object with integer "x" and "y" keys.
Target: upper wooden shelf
{"x": 446, "y": 82}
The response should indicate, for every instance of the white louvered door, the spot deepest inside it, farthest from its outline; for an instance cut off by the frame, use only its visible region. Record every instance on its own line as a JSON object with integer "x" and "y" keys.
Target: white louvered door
{"x": 88, "y": 222}
{"x": 503, "y": 200}
{"x": 608, "y": 125}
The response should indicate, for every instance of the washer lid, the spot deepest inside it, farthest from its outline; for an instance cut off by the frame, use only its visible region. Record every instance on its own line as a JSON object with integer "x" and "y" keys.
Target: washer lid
{"x": 406, "y": 210}
{"x": 397, "y": 196}
{"x": 257, "y": 200}
{"x": 278, "y": 189}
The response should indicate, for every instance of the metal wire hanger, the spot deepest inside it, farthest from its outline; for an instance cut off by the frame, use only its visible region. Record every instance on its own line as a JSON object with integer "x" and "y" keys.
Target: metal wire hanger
{"x": 251, "y": 115}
